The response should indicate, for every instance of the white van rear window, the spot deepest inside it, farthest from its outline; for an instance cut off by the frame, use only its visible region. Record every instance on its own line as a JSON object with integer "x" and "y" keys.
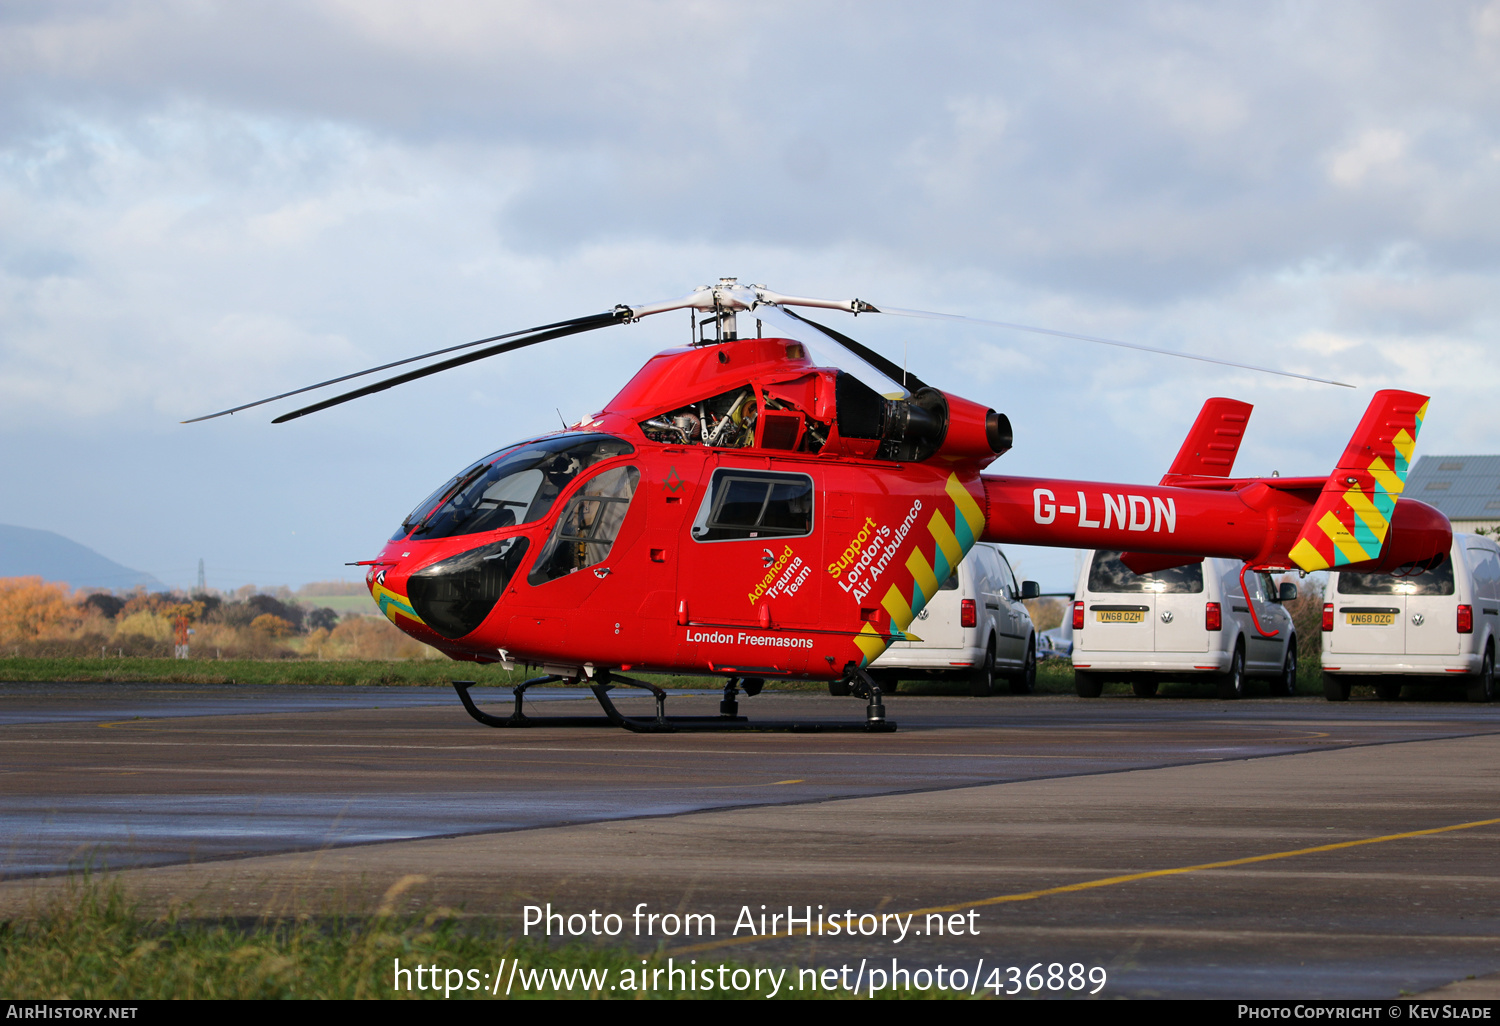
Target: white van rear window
{"x": 1437, "y": 581}
{"x": 1111, "y": 575}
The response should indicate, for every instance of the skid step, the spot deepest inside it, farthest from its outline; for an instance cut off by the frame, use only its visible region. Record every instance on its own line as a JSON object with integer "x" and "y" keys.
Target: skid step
{"x": 727, "y": 720}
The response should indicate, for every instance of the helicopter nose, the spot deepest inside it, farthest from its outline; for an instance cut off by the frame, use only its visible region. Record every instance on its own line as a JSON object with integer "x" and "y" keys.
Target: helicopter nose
{"x": 454, "y": 595}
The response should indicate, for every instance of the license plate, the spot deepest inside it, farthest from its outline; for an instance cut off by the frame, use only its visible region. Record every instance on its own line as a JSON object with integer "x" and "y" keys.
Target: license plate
{"x": 1370, "y": 619}
{"x": 1121, "y": 615}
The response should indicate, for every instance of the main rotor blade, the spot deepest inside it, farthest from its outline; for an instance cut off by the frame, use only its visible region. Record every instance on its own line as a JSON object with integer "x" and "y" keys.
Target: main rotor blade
{"x": 1104, "y": 341}
{"x": 388, "y": 366}
{"x": 568, "y": 328}
{"x": 912, "y": 383}
{"x": 827, "y": 351}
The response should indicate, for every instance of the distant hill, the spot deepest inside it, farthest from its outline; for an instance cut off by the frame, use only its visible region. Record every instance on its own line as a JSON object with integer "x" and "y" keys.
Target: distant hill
{"x": 26, "y": 552}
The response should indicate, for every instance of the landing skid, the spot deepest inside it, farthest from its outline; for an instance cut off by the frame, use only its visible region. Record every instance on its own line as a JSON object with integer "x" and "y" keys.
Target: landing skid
{"x": 727, "y": 720}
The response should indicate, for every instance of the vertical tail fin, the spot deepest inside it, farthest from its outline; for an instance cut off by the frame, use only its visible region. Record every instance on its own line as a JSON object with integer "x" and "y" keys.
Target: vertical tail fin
{"x": 1349, "y": 522}
{"x": 1213, "y": 442}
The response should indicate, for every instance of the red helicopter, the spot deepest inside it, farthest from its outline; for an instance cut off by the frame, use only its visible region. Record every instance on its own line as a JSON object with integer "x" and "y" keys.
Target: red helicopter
{"x": 750, "y": 509}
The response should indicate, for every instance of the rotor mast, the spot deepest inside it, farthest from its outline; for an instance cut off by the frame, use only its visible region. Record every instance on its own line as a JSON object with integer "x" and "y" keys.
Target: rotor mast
{"x": 725, "y": 300}
{"x": 725, "y": 307}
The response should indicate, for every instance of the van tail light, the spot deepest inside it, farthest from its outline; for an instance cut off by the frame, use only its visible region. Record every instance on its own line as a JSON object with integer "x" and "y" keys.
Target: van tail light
{"x": 1466, "y": 619}
{"x": 1078, "y": 616}
{"x": 966, "y": 615}
{"x": 1328, "y": 616}
{"x": 1213, "y": 617}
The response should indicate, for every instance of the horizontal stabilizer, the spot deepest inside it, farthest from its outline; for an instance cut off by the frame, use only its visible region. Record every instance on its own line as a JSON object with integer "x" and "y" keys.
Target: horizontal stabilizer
{"x": 1350, "y": 520}
{"x": 1294, "y": 484}
{"x": 1213, "y": 442}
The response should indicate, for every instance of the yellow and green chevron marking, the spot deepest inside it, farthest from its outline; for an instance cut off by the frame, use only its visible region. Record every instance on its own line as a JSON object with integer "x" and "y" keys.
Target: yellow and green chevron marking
{"x": 951, "y": 539}
{"x": 1352, "y": 516}
{"x": 391, "y": 603}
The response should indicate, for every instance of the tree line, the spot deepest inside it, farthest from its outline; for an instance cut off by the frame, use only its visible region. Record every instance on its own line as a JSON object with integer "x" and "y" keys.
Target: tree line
{"x": 42, "y": 618}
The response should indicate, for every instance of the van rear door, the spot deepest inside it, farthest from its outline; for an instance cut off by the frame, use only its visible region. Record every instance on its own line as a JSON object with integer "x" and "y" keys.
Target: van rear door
{"x": 1432, "y": 610}
{"x": 1179, "y": 620}
{"x": 1120, "y": 606}
{"x": 1369, "y": 614}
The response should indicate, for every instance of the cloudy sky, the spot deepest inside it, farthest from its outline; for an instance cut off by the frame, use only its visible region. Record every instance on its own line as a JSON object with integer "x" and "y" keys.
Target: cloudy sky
{"x": 203, "y": 203}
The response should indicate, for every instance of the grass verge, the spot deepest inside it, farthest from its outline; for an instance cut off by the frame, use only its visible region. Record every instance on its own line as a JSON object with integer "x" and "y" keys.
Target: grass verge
{"x": 93, "y": 944}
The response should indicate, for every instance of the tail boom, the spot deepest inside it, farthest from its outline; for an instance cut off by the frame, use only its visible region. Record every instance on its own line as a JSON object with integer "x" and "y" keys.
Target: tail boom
{"x": 1354, "y": 519}
{"x": 1139, "y": 518}
{"x": 1255, "y": 520}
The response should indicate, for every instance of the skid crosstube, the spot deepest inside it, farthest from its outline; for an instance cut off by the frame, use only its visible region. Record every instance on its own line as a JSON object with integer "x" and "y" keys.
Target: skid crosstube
{"x": 727, "y": 720}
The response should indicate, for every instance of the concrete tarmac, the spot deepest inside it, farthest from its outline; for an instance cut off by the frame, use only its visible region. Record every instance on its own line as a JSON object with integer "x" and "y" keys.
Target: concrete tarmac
{"x": 1031, "y": 820}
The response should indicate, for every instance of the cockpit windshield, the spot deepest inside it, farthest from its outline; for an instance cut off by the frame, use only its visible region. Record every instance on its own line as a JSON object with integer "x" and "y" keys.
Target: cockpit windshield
{"x": 513, "y": 486}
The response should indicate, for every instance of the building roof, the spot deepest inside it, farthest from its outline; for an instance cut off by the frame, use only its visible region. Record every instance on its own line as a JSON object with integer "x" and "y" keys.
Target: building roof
{"x": 1463, "y": 487}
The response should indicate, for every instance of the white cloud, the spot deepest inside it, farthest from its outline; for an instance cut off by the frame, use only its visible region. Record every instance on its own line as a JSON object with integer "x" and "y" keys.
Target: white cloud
{"x": 1487, "y": 21}
{"x": 1326, "y": 343}
{"x": 1378, "y": 148}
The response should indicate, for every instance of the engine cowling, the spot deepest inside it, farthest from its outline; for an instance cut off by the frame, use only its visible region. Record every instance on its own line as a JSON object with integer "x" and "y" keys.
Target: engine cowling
{"x": 926, "y": 424}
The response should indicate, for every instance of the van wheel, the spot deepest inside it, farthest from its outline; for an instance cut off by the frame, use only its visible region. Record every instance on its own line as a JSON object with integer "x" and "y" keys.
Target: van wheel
{"x": 1482, "y": 684}
{"x": 1024, "y": 683}
{"x": 1232, "y": 684}
{"x": 1087, "y": 684}
{"x": 840, "y": 688}
{"x": 1285, "y": 684}
{"x": 1144, "y": 687}
{"x": 982, "y": 679}
{"x": 1335, "y": 688}
{"x": 887, "y": 681}
{"x": 1388, "y": 690}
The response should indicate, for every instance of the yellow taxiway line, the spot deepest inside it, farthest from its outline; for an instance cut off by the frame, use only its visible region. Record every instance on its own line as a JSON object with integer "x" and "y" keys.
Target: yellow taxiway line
{"x": 1109, "y": 881}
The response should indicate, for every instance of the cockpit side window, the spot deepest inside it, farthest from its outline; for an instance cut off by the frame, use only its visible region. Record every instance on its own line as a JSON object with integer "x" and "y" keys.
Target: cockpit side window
{"x": 514, "y": 486}
{"x": 755, "y": 504}
{"x": 588, "y": 526}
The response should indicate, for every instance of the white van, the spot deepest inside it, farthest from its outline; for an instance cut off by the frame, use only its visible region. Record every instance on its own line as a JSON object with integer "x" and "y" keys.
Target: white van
{"x": 1189, "y": 622}
{"x": 975, "y": 628}
{"x": 1389, "y": 631}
